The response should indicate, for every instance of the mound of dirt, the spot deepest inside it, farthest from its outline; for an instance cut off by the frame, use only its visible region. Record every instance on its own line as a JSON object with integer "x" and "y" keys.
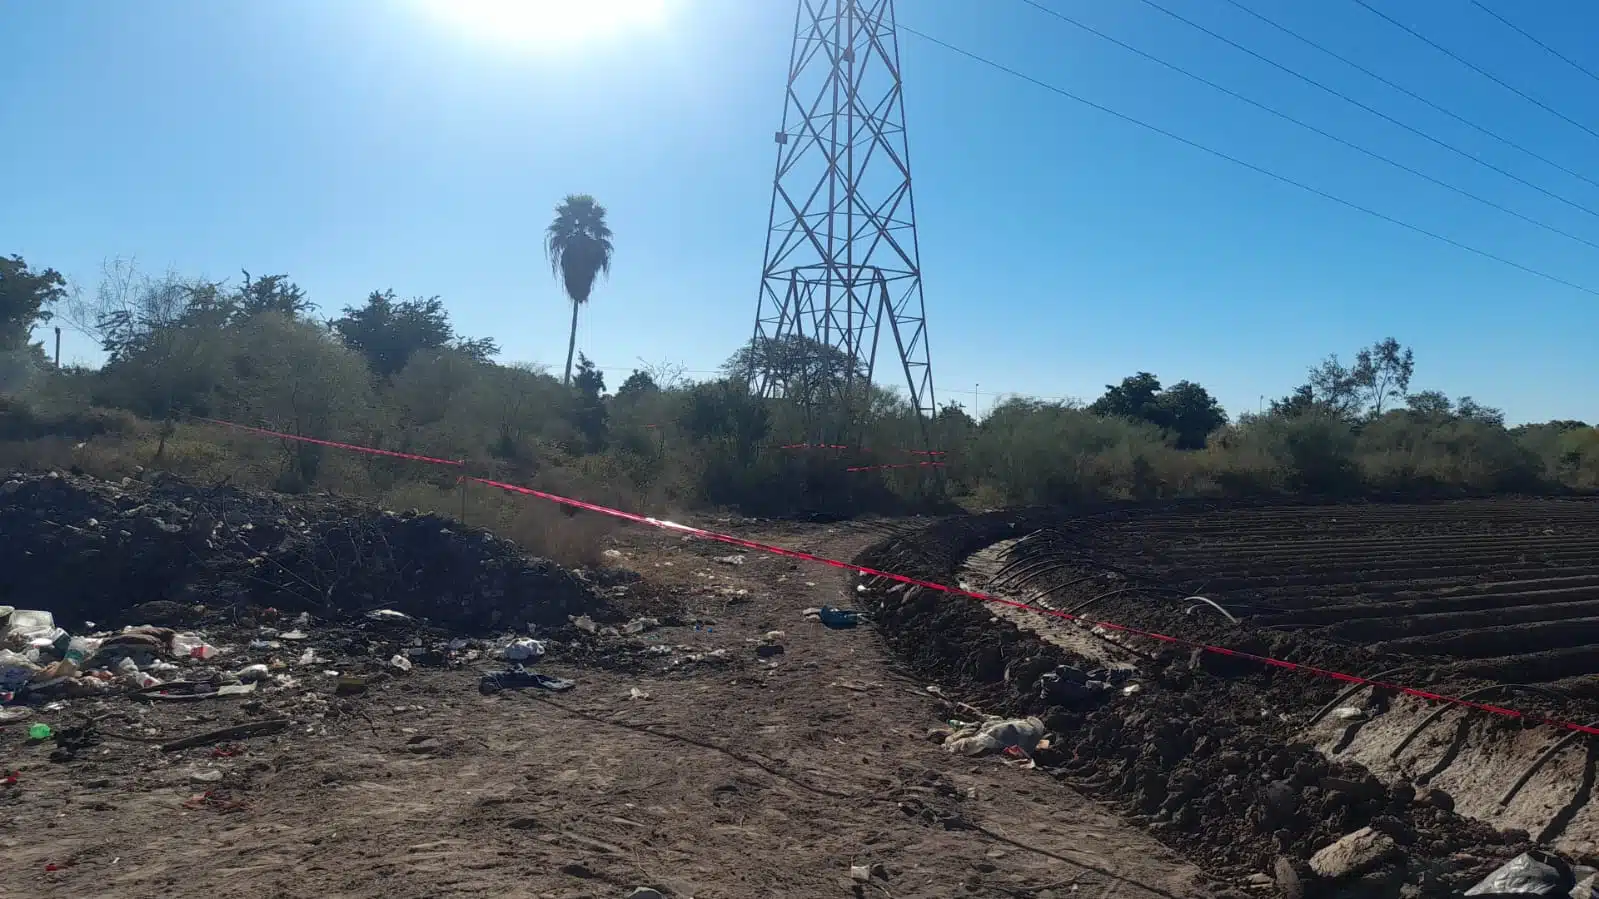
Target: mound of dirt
{"x": 114, "y": 554}
{"x": 1201, "y": 755}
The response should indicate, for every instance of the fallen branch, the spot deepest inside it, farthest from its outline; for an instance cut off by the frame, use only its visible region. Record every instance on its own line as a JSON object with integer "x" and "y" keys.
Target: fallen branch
{"x": 238, "y": 731}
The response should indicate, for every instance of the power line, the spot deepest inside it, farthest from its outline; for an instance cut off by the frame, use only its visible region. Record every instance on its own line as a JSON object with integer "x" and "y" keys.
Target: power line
{"x": 1412, "y": 94}
{"x": 1464, "y": 154}
{"x": 1312, "y": 128}
{"x": 1248, "y": 165}
{"x": 1552, "y": 51}
{"x": 1468, "y": 64}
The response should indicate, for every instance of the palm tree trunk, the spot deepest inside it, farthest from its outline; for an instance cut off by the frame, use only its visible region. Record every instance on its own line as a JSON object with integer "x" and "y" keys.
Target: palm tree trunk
{"x": 571, "y": 346}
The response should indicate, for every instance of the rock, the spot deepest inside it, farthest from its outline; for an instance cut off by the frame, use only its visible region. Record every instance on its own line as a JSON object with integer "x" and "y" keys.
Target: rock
{"x": 1437, "y": 799}
{"x": 1289, "y": 883}
{"x": 1354, "y": 854}
{"x": 1281, "y": 799}
{"x": 1369, "y": 788}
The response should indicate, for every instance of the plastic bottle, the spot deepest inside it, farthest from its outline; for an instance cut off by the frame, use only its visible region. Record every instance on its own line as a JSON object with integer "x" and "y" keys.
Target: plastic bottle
{"x": 39, "y": 732}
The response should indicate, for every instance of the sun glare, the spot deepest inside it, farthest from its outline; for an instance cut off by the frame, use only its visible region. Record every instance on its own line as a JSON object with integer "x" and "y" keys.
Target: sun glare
{"x": 551, "y": 23}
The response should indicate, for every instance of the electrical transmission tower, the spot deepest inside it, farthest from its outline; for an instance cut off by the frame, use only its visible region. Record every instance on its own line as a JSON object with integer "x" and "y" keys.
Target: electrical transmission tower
{"x": 842, "y": 262}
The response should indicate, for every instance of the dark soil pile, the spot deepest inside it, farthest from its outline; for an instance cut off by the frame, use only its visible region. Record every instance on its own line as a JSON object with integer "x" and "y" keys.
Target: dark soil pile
{"x": 88, "y": 550}
{"x": 1201, "y": 755}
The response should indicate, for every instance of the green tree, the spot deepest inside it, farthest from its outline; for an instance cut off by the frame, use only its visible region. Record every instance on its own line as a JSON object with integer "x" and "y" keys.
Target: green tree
{"x": 388, "y": 332}
{"x": 1186, "y": 409}
{"x": 590, "y": 415}
{"x": 1382, "y": 372}
{"x": 1429, "y": 404}
{"x": 803, "y": 369}
{"x": 1189, "y": 412}
{"x": 637, "y": 384}
{"x": 292, "y": 376}
{"x": 1297, "y": 404}
{"x": 1135, "y": 398}
{"x": 578, "y": 245}
{"x": 25, "y": 300}
{"x": 271, "y": 293}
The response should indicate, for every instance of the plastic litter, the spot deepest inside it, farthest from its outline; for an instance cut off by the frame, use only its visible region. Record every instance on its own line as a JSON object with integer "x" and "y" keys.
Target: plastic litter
{"x": 1532, "y": 873}
{"x": 15, "y": 670}
{"x": 31, "y": 628}
{"x": 193, "y": 646}
{"x": 39, "y": 731}
{"x": 516, "y": 677}
{"x": 523, "y": 649}
{"x": 838, "y": 619}
{"x": 250, "y": 674}
{"x": 401, "y": 662}
{"x": 996, "y": 735}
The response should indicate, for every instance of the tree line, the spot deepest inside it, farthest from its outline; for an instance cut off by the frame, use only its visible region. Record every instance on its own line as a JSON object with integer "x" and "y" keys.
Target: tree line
{"x": 393, "y": 372}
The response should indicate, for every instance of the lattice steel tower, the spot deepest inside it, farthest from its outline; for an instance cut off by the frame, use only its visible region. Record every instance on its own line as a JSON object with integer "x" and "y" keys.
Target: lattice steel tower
{"x": 842, "y": 261}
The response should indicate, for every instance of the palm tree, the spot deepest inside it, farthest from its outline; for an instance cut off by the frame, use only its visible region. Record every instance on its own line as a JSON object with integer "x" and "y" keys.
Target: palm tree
{"x": 578, "y": 244}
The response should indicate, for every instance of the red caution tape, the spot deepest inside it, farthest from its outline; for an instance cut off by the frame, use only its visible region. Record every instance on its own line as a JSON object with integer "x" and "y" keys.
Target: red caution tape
{"x": 758, "y": 546}
{"x": 899, "y": 465}
{"x": 840, "y": 446}
{"x": 344, "y": 446}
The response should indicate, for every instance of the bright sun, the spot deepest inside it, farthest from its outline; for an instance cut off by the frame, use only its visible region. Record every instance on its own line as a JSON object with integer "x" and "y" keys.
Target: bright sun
{"x": 550, "y": 22}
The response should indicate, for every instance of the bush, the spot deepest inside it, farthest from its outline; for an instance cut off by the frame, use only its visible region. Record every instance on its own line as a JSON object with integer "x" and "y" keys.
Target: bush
{"x": 1410, "y": 453}
{"x": 1033, "y": 452}
{"x": 1309, "y": 453}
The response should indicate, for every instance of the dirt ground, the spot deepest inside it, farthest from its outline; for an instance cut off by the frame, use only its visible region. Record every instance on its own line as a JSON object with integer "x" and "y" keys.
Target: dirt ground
{"x": 752, "y": 778}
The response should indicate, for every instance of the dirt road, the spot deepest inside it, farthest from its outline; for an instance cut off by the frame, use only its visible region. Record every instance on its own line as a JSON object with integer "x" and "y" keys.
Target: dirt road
{"x": 751, "y": 778}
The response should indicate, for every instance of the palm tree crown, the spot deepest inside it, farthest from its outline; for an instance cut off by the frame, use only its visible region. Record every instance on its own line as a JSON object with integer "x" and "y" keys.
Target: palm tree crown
{"x": 578, "y": 245}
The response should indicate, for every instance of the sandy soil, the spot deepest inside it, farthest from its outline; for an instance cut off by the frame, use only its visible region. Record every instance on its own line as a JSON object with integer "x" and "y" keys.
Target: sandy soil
{"x": 749, "y": 779}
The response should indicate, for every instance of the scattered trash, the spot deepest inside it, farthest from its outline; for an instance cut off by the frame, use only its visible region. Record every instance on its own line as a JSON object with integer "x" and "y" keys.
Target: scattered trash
{"x": 734, "y": 560}
{"x": 523, "y": 649}
{"x": 770, "y": 645}
{"x": 1532, "y": 873}
{"x": 16, "y": 670}
{"x": 400, "y": 662}
{"x": 250, "y": 674}
{"x": 838, "y": 619}
{"x": 30, "y": 628}
{"x": 640, "y": 625}
{"x": 206, "y": 776}
{"x": 860, "y": 873}
{"x": 646, "y": 893}
{"x": 237, "y": 732}
{"x": 193, "y": 646}
{"x": 1349, "y": 713}
{"x": 349, "y": 686}
{"x": 7, "y": 716}
{"x": 39, "y": 732}
{"x": 636, "y": 693}
{"x": 387, "y": 615}
{"x": 516, "y": 677}
{"x": 996, "y": 735}
{"x": 585, "y": 624}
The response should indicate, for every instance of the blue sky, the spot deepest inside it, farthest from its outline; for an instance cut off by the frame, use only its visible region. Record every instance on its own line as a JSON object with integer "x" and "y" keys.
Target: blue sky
{"x": 368, "y": 145}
